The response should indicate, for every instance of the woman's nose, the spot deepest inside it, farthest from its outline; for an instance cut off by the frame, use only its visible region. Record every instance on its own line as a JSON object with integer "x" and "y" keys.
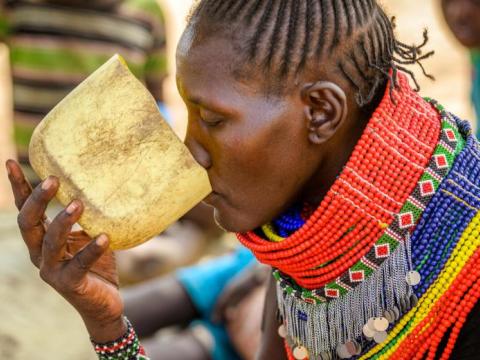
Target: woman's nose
{"x": 199, "y": 153}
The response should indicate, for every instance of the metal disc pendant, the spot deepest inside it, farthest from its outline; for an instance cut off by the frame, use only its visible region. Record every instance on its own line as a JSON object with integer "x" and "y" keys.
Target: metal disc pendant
{"x": 282, "y": 331}
{"x": 380, "y": 337}
{"x": 368, "y": 331}
{"x": 389, "y": 316}
{"x": 300, "y": 353}
{"x": 343, "y": 352}
{"x": 413, "y": 278}
{"x": 325, "y": 355}
{"x": 380, "y": 324}
{"x": 408, "y": 303}
{"x": 351, "y": 347}
{"x": 413, "y": 300}
{"x": 358, "y": 349}
{"x": 370, "y": 323}
{"x": 396, "y": 312}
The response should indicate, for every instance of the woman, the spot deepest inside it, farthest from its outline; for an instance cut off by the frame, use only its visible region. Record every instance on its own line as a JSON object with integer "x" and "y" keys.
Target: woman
{"x": 360, "y": 194}
{"x": 463, "y": 18}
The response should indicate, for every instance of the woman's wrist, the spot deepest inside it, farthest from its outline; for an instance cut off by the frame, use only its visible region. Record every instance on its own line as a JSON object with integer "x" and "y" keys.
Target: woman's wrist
{"x": 126, "y": 346}
{"x": 106, "y": 331}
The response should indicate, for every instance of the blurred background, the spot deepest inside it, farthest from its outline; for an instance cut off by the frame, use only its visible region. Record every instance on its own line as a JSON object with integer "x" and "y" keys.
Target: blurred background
{"x": 36, "y": 322}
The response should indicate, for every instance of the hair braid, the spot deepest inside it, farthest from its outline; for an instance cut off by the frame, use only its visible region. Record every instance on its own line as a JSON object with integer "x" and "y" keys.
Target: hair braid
{"x": 336, "y": 21}
{"x": 255, "y": 8}
{"x": 323, "y": 28}
{"x": 288, "y": 36}
{"x": 279, "y": 23}
{"x": 262, "y": 29}
{"x": 310, "y": 18}
{"x": 291, "y": 35}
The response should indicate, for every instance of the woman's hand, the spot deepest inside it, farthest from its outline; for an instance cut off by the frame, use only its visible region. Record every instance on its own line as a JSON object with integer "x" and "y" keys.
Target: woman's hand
{"x": 80, "y": 269}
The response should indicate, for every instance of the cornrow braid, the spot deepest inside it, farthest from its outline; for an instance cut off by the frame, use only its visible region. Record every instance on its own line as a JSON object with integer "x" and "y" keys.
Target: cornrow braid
{"x": 286, "y": 37}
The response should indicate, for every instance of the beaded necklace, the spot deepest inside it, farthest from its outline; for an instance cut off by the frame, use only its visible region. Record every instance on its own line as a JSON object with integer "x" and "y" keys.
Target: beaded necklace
{"x": 382, "y": 172}
{"x": 451, "y": 283}
{"x": 394, "y": 285}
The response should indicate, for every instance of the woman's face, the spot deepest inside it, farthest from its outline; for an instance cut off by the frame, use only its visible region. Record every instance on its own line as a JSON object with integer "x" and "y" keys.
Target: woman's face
{"x": 255, "y": 149}
{"x": 463, "y": 17}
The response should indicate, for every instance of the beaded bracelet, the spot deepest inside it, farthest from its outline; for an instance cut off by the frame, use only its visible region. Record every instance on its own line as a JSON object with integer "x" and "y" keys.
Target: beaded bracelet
{"x": 126, "y": 347}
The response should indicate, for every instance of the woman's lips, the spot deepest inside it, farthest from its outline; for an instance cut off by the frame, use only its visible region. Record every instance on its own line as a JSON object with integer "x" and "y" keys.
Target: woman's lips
{"x": 212, "y": 199}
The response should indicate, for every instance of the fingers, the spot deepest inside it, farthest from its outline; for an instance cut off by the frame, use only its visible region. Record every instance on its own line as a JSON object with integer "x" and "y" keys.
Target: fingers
{"x": 32, "y": 214}
{"x": 86, "y": 258}
{"x": 55, "y": 240}
{"x": 20, "y": 186}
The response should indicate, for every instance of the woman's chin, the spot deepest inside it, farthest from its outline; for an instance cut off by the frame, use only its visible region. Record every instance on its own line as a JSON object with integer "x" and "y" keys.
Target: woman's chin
{"x": 232, "y": 223}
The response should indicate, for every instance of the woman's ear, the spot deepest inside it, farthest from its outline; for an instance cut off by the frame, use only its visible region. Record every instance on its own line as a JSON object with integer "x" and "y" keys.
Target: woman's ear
{"x": 326, "y": 109}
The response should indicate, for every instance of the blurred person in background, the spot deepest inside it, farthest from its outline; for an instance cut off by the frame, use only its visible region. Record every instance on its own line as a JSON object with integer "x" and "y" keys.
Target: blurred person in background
{"x": 463, "y": 18}
{"x": 6, "y": 127}
{"x": 56, "y": 44}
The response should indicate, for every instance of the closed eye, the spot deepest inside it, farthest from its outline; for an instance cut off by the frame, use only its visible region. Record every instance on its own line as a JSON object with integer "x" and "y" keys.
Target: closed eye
{"x": 214, "y": 122}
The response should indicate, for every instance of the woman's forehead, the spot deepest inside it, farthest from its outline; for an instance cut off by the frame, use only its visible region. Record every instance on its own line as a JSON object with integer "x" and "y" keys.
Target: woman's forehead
{"x": 206, "y": 69}
{"x": 206, "y": 53}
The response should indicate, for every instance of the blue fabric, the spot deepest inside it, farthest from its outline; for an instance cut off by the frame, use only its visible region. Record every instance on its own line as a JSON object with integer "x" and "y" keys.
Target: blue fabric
{"x": 165, "y": 112}
{"x": 204, "y": 284}
{"x": 222, "y": 349}
{"x": 475, "y": 56}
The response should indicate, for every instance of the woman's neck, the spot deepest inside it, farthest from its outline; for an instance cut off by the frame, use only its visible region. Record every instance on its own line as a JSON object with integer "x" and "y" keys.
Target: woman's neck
{"x": 340, "y": 150}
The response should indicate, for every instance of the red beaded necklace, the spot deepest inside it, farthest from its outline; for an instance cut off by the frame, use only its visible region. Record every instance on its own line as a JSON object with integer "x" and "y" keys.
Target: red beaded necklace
{"x": 381, "y": 173}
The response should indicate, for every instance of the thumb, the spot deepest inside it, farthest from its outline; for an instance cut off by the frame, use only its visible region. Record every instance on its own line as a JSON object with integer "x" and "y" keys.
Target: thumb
{"x": 82, "y": 262}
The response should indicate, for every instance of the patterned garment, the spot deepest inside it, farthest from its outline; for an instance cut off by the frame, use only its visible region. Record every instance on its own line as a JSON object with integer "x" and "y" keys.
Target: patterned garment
{"x": 475, "y": 57}
{"x": 54, "y": 47}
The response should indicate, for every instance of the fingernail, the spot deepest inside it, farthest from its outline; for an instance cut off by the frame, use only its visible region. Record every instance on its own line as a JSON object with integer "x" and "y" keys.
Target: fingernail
{"x": 71, "y": 208}
{"x": 102, "y": 240}
{"x": 47, "y": 184}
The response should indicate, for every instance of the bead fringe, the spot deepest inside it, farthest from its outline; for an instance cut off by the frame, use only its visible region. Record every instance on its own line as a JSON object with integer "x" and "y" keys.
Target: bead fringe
{"x": 321, "y": 328}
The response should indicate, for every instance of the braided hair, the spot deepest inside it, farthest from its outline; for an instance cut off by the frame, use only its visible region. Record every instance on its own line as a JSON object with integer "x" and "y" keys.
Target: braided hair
{"x": 284, "y": 37}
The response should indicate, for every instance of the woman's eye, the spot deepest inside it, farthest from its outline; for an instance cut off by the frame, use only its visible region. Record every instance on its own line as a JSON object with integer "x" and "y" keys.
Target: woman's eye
{"x": 212, "y": 122}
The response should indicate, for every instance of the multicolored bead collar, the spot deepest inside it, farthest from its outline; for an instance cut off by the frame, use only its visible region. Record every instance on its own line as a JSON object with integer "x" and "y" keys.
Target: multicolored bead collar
{"x": 365, "y": 200}
{"x": 385, "y": 302}
{"x": 403, "y": 223}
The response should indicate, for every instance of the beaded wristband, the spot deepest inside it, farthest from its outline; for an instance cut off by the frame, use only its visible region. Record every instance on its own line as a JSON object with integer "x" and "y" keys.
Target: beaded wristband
{"x": 126, "y": 347}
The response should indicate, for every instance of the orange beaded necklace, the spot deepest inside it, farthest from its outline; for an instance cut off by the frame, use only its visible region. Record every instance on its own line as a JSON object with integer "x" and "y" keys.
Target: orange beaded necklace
{"x": 383, "y": 170}
{"x": 414, "y": 163}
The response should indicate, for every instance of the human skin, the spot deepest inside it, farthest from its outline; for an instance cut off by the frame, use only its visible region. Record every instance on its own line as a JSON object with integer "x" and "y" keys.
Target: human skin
{"x": 262, "y": 153}
{"x": 463, "y": 18}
